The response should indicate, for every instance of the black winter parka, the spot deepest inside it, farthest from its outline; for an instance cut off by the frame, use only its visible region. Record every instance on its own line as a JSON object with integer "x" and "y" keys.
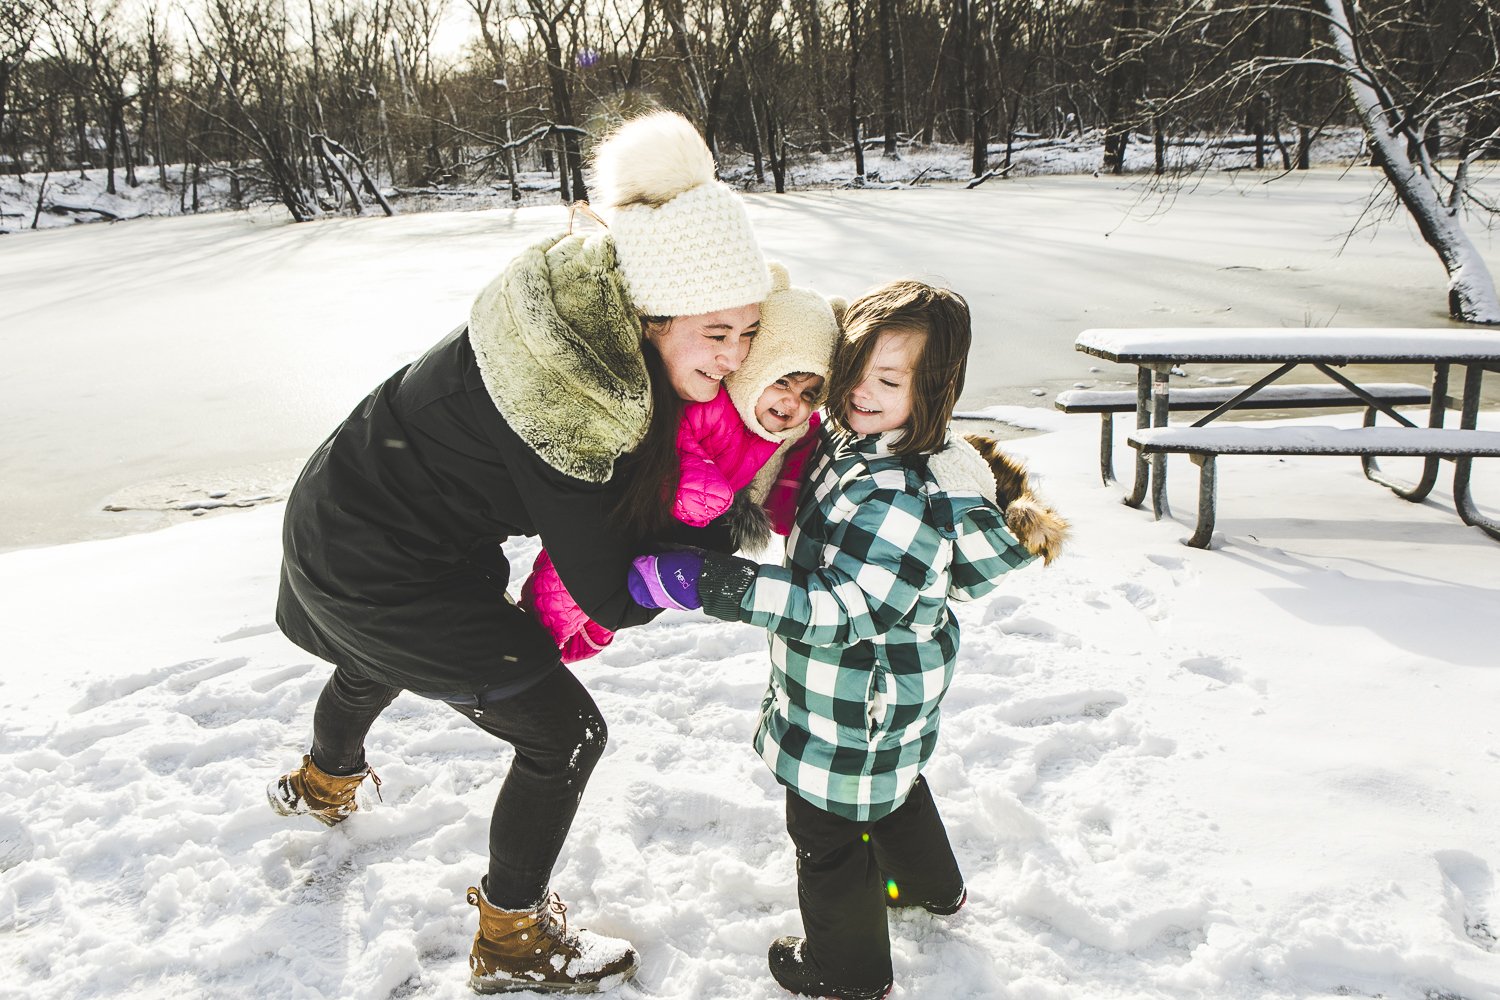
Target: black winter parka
{"x": 392, "y": 538}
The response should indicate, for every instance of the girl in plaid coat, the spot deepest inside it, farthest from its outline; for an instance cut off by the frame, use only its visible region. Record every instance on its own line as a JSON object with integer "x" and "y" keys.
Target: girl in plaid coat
{"x": 897, "y": 518}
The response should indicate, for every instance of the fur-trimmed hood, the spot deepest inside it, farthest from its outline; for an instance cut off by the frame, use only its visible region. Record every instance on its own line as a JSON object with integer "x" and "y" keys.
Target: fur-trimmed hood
{"x": 975, "y": 464}
{"x": 559, "y": 348}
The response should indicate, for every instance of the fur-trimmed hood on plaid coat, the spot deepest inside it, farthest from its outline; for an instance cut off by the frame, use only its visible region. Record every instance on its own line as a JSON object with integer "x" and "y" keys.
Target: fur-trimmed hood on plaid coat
{"x": 862, "y": 639}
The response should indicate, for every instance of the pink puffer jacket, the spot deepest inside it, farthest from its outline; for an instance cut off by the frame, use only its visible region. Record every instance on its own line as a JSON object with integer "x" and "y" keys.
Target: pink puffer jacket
{"x": 719, "y": 457}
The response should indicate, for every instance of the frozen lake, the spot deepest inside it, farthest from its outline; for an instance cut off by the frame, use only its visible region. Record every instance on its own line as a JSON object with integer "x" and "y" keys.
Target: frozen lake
{"x": 156, "y": 363}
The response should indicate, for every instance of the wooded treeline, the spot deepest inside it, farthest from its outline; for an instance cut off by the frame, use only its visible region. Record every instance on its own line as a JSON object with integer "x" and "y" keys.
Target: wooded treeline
{"x": 325, "y": 104}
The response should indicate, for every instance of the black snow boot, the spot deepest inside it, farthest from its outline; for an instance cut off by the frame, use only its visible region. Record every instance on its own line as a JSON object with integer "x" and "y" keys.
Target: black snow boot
{"x": 796, "y": 975}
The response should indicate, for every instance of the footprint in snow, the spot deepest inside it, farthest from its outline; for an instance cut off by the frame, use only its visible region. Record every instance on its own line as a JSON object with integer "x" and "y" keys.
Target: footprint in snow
{"x": 16, "y": 844}
{"x": 1170, "y": 563}
{"x": 247, "y": 632}
{"x": 75, "y": 741}
{"x": 1027, "y": 627}
{"x": 1000, "y": 608}
{"x": 1469, "y": 887}
{"x": 1096, "y": 833}
{"x": 1213, "y": 668}
{"x": 1072, "y": 707}
{"x": 276, "y": 678}
{"x": 177, "y": 678}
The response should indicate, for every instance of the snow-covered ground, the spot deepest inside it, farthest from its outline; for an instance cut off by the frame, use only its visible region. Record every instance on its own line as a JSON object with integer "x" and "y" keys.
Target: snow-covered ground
{"x": 1262, "y": 771}
{"x": 1259, "y": 772}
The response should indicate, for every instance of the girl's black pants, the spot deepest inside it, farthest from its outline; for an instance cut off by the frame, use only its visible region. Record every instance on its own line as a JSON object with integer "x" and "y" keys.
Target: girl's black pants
{"x": 845, "y": 877}
{"x": 558, "y": 736}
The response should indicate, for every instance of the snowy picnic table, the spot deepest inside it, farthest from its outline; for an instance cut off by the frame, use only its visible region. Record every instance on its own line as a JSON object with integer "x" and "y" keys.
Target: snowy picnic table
{"x": 1156, "y": 352}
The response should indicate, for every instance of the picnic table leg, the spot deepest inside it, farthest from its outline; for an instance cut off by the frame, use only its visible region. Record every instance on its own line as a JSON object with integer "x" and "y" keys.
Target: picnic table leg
{"x": 1142, "y": 420}
{"x": 1107, "y": 447}
{"x": 1468, "y": 420}
{"x": 1161, "y": 376}
{"x": 1207, "y": 491}
{"x": 1415, "y": 492}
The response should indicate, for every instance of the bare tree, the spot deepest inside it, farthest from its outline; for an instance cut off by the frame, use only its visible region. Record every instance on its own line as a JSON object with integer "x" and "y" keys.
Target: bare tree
{"x": 1401, "y": 93}
{"x": 887, "y": 78}
{"x": 553, "y": 21}
{"x": 18, "y": 30}
{"x": 492, "y": 27}
{"x": 854, "y": 130}
{"x": 1398, "y": 131}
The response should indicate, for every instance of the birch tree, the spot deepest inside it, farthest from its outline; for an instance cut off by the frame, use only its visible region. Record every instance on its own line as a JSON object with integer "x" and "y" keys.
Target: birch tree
{"x": 1401, "y": 103}
{"x": 1435, "y": 196}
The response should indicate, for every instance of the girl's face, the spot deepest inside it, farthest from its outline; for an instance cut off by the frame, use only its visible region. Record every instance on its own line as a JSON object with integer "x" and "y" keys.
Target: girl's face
{"x": 881, "y": 401}
{"x": 698, "y": 351}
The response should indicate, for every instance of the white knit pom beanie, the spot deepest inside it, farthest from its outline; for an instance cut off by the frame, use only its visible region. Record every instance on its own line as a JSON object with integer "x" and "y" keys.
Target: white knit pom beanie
{"x": 798, "y": 330}
{"x": 683, "y": 239}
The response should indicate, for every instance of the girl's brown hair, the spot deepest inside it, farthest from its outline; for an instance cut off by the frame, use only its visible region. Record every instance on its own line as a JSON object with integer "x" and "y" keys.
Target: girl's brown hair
{"x": 653, "y": 469}
{"x": 942, "y": 316}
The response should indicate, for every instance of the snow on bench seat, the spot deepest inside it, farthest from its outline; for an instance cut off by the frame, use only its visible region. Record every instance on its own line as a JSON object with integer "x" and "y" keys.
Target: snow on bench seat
{"x": 1270, "y": 397}
{"x": 1238, "y": 439}
{"x": 1335, "y": 346}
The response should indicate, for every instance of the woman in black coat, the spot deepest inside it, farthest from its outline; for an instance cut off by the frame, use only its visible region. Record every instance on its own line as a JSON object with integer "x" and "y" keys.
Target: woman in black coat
{"x": 553, "y": 412}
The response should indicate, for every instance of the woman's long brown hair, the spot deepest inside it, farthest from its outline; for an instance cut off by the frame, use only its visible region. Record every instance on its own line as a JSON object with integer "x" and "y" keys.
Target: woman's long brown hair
{"x": 653, "y": 469}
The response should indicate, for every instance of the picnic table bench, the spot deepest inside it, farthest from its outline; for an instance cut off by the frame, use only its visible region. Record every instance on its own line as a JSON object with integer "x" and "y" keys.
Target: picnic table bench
{"x": 1157, "y": 352}
{"x": 1108, "y": 402}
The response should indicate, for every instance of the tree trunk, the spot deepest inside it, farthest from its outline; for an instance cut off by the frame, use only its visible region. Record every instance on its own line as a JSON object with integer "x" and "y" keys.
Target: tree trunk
{"x": 41, "y": 192}
{"x": 80, "y": 128}
{"x": 495, "y": 42}
{"x": 1123, "y": 87}
{"x": 755, "y": 154}
{"x": 570, "y": 160}
{"x": 1471, "y": 289}
{"x": 814, "y": 21}
{"x": 697, "y": 85}
{"x": 130, "y": 156}
{"x": 978, "y": 95}
{"x": 111, "y": 131}
{"x": 933, "y": 87}
{"x": 888, "y": 74}
{"x": 328, "y": 162}
{"x": 859, "y": 149}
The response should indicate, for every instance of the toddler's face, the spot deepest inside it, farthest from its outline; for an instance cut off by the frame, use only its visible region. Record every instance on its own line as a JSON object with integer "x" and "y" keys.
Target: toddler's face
{"x": 788, "y": 402}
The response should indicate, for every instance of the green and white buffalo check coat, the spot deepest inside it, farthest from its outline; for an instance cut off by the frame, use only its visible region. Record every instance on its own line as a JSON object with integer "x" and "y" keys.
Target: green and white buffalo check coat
{"x": 863, "y": 642}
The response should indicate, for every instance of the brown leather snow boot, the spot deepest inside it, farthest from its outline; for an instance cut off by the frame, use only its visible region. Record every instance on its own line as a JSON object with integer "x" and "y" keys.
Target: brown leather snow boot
{"x": 533, "y": 950}
{"x": 310, "y": 791}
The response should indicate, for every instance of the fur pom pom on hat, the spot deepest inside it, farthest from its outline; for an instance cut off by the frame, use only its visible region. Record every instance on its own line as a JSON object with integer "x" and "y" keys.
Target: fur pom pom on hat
{"x": 683, "y": 239}
{"x": 798, "y": 330}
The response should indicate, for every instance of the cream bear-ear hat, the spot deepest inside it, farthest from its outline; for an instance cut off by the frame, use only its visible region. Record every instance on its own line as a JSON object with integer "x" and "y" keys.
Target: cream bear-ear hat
{"x": 798, "y": 331}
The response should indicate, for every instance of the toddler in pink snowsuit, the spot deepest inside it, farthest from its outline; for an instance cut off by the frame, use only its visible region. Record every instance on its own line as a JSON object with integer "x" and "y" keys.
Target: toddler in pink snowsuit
{"x": 752, "y": 439}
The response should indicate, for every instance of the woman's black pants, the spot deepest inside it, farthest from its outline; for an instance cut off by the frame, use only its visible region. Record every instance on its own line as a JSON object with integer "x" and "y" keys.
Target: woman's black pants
{"x": 844, "y": 878}
{"x": 558, "y": 736}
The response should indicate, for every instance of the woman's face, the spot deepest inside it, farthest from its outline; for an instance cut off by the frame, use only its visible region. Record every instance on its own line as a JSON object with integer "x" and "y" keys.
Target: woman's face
{"x": 882, "y": 399}
{"x": 698, "y": 351}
